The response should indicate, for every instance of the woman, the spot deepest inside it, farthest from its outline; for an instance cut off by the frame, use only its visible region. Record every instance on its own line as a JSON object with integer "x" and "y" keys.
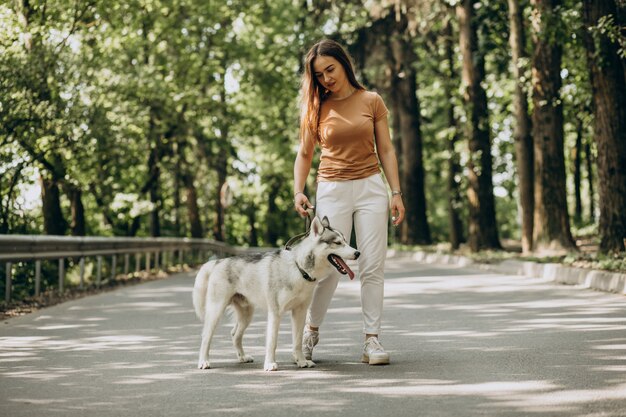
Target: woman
{"x": 350, "y": 126}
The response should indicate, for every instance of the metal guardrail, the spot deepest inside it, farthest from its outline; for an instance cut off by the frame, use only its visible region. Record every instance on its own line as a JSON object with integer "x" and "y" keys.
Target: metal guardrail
{"x": 20, "y": 248}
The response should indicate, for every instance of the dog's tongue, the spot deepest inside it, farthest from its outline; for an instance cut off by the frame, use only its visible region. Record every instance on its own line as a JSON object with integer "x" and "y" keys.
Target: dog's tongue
{"x": 345, "y": 266}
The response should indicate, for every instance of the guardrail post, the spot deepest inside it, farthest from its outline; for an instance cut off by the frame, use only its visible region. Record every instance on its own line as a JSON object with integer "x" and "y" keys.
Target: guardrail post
{"x": 137, "y": 263}
{"x": 37, "y": 277}
{"x": 113, "y": 267}
{"x": 61, "y": 274}
{"x": 156, "y": 261}
{"x": 148, "y": 262}
{"x": 7, "y": 288}
{"x": 82, "y": 273}
{"x": 99, "y": 271}
{"x": 126, "y": 257}
{"x": 180, "y": 257}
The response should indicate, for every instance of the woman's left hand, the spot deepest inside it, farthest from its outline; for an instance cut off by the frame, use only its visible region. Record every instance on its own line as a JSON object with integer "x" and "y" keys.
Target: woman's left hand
{"x": 397, "y": 210}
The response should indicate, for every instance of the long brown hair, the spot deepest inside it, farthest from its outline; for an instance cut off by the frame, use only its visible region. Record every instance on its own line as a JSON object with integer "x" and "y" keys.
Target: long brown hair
{"x": 312, "y": 92}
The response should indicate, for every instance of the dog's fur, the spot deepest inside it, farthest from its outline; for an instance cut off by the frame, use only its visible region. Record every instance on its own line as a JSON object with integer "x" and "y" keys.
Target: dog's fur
{"x": 272, "y": 281}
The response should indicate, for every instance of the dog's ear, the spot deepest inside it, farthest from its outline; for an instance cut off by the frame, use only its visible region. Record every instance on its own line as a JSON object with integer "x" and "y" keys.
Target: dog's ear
{"x": 316, "y": 226}
{"x": 325, "y": 222}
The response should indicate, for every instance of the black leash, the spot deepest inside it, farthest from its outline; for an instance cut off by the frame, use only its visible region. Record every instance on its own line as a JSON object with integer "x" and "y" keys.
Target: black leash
{"x": 307, "y": 226}
{"x": 291, "y": 242}
{"x": 295, "y": 239}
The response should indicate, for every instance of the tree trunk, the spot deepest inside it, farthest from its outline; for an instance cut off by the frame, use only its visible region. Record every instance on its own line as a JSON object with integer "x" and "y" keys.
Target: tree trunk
{"x": 523, "y": 138}
{"x": 185, "y": 180}
{"x": 191, "y": 197}
{"x": 154, "y": 171}
{"x": 179, "y": 152}
{"x": 404, "y": 85}
{"x": 608, "y": 81}
{"x": 221, "y": 161}
{"x": 253, "y": 239}
{"x": 455, "y": 202}
{"x": 77, "y": 225}
{"x": 53, "y": 221}
{"x": 590, "y": 182}
{"x": 272, "y": 232}
{"x": 387, "y": 43}
{"x": 221, "y": 169}
{"x": 195, "y": 224}
{"x": 5, "y": 210}
{"x": 400, "y": 232}
{"x": 577, "y": 158}
{"x": 551, "y": 219}
{"x": 134, "y": 227}
{"x": 483, "y": 228}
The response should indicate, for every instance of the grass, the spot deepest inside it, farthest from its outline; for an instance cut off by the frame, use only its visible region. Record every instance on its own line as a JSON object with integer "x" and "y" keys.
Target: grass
{"x": 587, "y": 257}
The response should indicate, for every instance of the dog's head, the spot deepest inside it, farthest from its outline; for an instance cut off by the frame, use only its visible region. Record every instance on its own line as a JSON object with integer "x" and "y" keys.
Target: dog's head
{"x": 332, "y": 245}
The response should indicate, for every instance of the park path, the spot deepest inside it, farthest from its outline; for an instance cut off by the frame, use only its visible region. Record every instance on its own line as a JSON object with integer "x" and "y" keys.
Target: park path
{"x": 463, "y": 342}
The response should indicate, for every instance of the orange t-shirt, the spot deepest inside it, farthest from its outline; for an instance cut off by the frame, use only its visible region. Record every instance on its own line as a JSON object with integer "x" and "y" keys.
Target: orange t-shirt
{"x": 346, "y": 132}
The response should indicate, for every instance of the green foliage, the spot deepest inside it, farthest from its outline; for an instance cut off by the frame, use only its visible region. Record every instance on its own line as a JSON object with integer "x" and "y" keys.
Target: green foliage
{"x": 609, "y": 28}
{"x": 92, "y": 93}
{"x": 585, "y": 260}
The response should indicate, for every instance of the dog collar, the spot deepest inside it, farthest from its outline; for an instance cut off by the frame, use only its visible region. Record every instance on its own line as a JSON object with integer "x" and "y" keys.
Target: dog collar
{"x": 305, "y": 274}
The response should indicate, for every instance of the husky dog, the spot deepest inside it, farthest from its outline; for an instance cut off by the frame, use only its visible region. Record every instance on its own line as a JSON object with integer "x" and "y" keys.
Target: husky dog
{"x": 277, "y": 281}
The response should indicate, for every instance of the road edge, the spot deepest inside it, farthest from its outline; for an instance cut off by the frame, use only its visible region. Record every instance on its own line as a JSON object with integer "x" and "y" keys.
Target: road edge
{"x": 584, "y": 278}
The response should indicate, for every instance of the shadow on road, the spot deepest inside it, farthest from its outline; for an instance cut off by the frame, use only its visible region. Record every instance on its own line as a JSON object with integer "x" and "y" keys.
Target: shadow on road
{"x": 463, "y": 343}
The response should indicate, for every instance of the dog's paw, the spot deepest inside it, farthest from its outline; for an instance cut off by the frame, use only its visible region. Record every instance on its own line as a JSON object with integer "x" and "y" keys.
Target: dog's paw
{"x": 271, "y": 366}
{"x": 204, "y": 365}
{"x": 306, "y": 364}
{"x": 245, "y": 358}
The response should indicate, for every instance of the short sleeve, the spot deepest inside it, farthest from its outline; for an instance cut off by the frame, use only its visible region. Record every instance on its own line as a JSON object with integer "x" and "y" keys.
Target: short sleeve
{"x": 380, "y": 110}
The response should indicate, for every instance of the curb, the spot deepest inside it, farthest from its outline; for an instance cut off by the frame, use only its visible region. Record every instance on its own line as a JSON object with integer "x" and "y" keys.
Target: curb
{"x": 583, "y": 278}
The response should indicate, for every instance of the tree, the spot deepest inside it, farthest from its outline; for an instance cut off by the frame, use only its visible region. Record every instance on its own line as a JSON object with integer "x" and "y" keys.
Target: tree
{"x": 49, "y": 86}
{"x": 483, "y": 230}
{"x": 577, "y": 160}
{"x": 607, "y": 70}
{"x": 589, "y": 164}
{"x": 404, "y": 84}
{"x": 387, "y": 59}
{"x": 523, "y": 138}
{"x": 135, "y": 114}
{"x": 551, "y": 219}
{"x": 455, "y": 201}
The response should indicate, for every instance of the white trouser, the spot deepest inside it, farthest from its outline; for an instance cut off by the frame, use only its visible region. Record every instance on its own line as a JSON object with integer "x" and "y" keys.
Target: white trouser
{"x": 366, "y": 202}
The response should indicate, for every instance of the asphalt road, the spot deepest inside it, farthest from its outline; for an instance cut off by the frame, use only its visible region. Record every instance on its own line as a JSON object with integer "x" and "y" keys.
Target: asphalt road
{"x": 462, "y": 342}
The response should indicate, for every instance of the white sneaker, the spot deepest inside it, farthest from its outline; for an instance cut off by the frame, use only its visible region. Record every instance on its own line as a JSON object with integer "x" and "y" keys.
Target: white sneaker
{"x": 374, "y": 353}
{"x": 309, "y": 341}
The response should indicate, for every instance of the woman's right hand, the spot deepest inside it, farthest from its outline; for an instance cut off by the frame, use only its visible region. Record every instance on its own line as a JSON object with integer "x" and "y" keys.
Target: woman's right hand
{"x": 301, "y": 204}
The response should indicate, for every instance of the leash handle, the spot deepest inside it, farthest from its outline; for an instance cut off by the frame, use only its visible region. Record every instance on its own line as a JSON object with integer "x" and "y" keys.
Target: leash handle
{"x": 307, "y": 225}
{"x": 310, "y": 213}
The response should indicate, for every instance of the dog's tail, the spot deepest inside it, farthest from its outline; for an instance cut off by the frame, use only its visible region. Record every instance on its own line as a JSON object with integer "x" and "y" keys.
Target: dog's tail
{"x": 200, "y": 288}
